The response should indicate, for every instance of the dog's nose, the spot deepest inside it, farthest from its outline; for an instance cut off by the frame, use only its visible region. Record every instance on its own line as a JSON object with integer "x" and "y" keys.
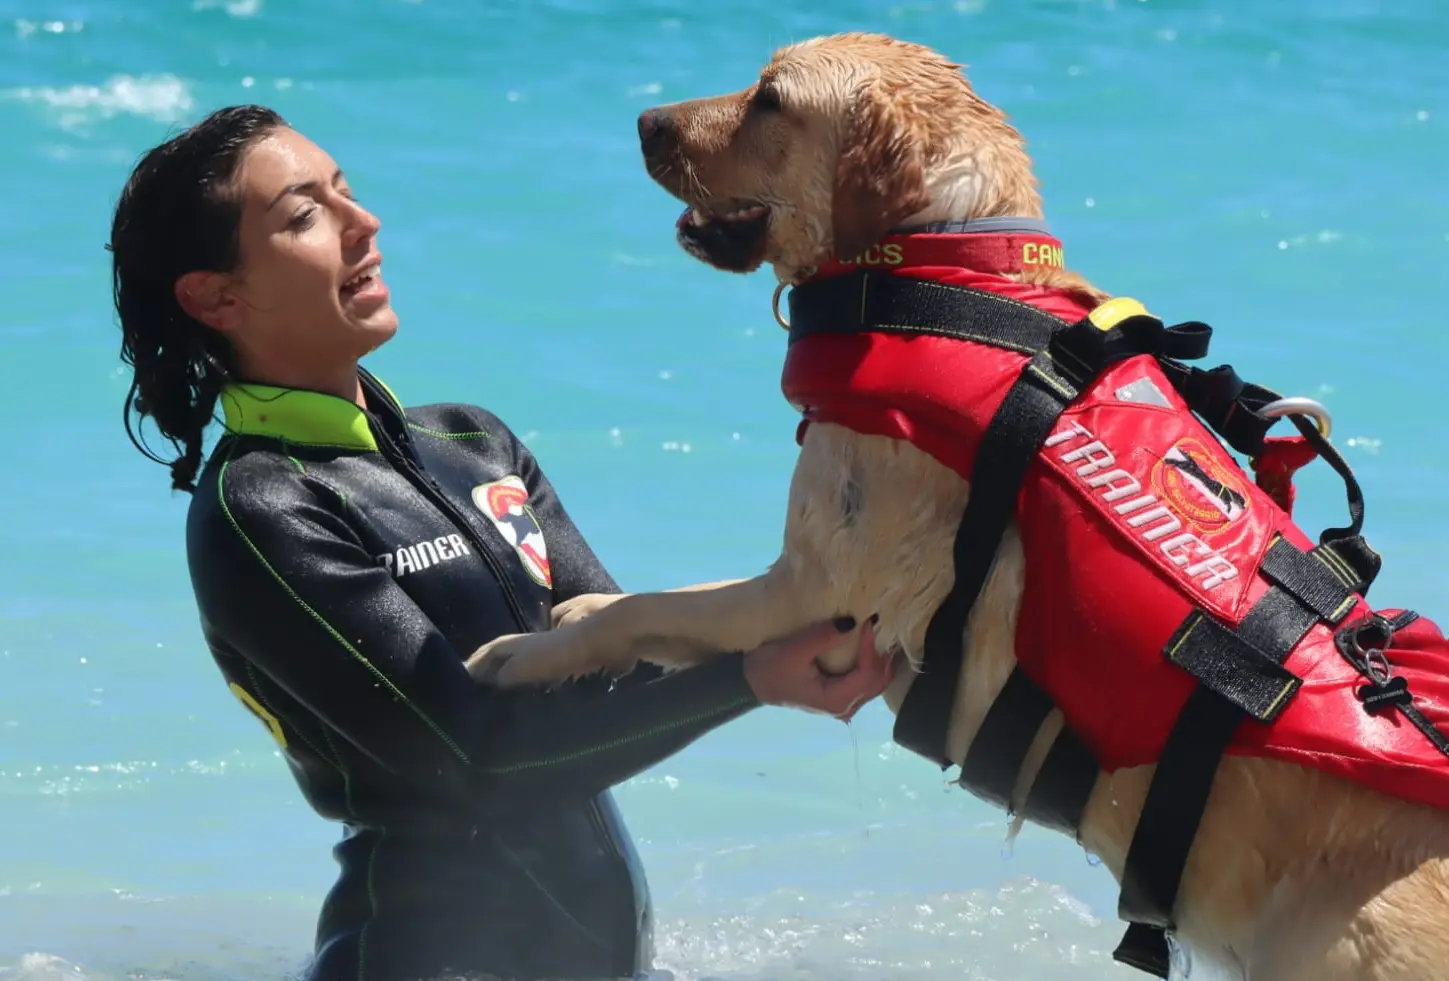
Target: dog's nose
{"x": 655, "y": 127}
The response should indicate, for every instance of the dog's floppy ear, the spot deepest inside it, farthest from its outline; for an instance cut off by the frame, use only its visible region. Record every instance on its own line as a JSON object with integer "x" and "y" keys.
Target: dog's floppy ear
{"x": 881, "y": 175}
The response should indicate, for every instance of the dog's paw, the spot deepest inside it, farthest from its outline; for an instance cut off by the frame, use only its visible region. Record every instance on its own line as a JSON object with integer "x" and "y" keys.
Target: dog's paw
{"x": 581, "y": 607}
{"x": 547, "y": 658}
{"x": 485, "y": 663}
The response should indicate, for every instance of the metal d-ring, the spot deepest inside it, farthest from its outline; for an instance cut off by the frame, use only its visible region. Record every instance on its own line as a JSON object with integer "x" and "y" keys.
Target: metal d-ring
{"x": 1299, "y": 405}
{"x": 1375, "y": 662}
{"x": 775, "y": 306}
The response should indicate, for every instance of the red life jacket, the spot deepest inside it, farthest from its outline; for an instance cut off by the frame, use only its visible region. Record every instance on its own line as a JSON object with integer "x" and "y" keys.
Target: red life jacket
{"x": 1171, "y": 608}
{"x": 1132, "y": 516}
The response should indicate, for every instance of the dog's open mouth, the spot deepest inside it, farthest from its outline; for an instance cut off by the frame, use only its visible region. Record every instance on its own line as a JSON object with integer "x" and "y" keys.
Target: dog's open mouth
{"x": 732, "y": 238}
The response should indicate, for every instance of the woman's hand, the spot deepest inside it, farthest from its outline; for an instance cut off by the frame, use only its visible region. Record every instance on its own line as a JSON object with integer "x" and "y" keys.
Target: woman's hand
{"x": 785, "y": 672}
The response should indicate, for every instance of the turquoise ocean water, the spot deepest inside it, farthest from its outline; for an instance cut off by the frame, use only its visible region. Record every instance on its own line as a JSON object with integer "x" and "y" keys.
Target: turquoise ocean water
{"x": 1273, "y": 168}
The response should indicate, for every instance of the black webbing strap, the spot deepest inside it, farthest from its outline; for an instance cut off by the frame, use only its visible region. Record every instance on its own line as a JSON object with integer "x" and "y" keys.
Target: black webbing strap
{"x": 1010, "y": 725}
{"x": 1060, "y": 790}
{"x": 1083, "y": 350}
{"x": 892, "y": 305}
{"x": 1225, "y": 403}
{"x": 1347, "y": 540}
{"x": 1008, "y": 448}
{"x": 1059, "y": 793}
{"x": 1240, "y": 676}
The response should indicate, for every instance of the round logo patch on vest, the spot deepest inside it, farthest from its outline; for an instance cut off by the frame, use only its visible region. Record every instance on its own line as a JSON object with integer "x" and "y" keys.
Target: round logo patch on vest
{"x": 506, "y": 504}
{"x": 1204, "y": 491}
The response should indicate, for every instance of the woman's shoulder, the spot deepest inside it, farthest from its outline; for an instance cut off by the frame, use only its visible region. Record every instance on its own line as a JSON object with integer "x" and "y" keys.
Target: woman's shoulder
{"x": 247, "y": 481}
{"x": 461, "y": 422}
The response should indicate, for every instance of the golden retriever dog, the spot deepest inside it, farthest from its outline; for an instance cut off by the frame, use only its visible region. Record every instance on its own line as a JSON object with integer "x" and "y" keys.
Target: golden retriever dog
{"x": 1294, "y": 874}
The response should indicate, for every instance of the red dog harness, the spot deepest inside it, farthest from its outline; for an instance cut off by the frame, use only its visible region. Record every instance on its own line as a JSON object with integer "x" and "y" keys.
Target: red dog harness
{"x": 1172, "y": 610}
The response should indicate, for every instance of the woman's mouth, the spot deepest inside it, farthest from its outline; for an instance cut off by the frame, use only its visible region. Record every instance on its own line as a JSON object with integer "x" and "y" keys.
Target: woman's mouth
{"x": 366, "y": 284}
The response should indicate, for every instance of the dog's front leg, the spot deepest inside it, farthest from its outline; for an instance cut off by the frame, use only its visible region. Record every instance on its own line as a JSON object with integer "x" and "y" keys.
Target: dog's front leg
{"x": 863, "y": 536}
{"x": 675, "y": 628}
{"x": 587, "y": 604}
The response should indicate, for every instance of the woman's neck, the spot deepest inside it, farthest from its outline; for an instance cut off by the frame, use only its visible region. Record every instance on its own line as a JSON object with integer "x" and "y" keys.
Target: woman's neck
{"x": 342, "y": 381}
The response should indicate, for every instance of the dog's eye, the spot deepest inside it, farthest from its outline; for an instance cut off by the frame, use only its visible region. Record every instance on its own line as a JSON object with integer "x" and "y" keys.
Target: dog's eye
{"x": 767, "y": 100}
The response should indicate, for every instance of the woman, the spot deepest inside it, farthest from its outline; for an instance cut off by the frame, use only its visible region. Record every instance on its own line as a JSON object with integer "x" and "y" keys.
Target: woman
{"x": 346, "y": 554}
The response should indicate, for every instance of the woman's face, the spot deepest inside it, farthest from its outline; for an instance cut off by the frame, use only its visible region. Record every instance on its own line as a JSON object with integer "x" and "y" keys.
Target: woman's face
{"x": 308, "y": 296}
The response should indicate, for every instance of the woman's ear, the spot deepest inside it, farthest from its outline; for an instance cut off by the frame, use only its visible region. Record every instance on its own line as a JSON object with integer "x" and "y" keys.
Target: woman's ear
{"x": 206, "y": 297}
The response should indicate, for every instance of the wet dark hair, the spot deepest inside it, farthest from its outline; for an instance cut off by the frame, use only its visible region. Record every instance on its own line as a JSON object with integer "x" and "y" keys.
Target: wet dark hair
{"x": 179, "y": 212}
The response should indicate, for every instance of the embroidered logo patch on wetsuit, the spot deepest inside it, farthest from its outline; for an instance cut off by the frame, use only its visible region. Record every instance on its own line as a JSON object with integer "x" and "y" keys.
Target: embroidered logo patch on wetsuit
{"x": 506, "y": 504}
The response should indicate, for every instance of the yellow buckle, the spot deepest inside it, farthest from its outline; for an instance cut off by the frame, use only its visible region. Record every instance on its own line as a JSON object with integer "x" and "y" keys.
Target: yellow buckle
{"x": 1116, "y": 310}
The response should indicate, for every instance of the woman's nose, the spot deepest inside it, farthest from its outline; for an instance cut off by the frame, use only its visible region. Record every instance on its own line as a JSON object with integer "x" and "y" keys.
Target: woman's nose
{"x": 361, "y": 223}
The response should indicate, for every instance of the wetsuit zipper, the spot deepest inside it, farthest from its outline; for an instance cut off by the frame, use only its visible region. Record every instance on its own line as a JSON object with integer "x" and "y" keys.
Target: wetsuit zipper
{"x": 429, "y": 487}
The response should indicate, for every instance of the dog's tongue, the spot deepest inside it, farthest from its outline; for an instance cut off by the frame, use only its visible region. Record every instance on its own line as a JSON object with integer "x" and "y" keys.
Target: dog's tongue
{"x": 684, "y": 218}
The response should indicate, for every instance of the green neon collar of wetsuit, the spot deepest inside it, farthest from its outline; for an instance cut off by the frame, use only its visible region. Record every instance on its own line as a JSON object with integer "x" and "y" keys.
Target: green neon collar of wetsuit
{"x": 299, "y": 415}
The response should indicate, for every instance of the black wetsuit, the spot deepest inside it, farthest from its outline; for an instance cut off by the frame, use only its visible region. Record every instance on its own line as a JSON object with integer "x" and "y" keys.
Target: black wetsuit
{"x": 344, "y": 563}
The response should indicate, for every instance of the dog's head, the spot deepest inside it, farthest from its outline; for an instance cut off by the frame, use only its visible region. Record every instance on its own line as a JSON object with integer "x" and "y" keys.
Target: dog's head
{"x": 840, "y": 139}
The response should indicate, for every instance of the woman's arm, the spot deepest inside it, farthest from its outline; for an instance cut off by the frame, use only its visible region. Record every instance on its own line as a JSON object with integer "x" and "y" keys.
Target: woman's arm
{"x": 283, "y": 582}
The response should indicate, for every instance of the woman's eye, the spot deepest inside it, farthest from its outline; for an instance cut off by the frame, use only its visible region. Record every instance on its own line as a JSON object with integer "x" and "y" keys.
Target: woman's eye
{"x": 303, "y": 218}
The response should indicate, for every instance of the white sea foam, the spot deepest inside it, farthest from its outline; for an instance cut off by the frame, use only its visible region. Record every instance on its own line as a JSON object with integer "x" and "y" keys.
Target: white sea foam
{"x": 42, "y": 967}
{"x": 234, "y": 8}
{"x": 1023, "y": 929}
{"x": 26, "y": 28}
{"x": 164, "y": 98}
